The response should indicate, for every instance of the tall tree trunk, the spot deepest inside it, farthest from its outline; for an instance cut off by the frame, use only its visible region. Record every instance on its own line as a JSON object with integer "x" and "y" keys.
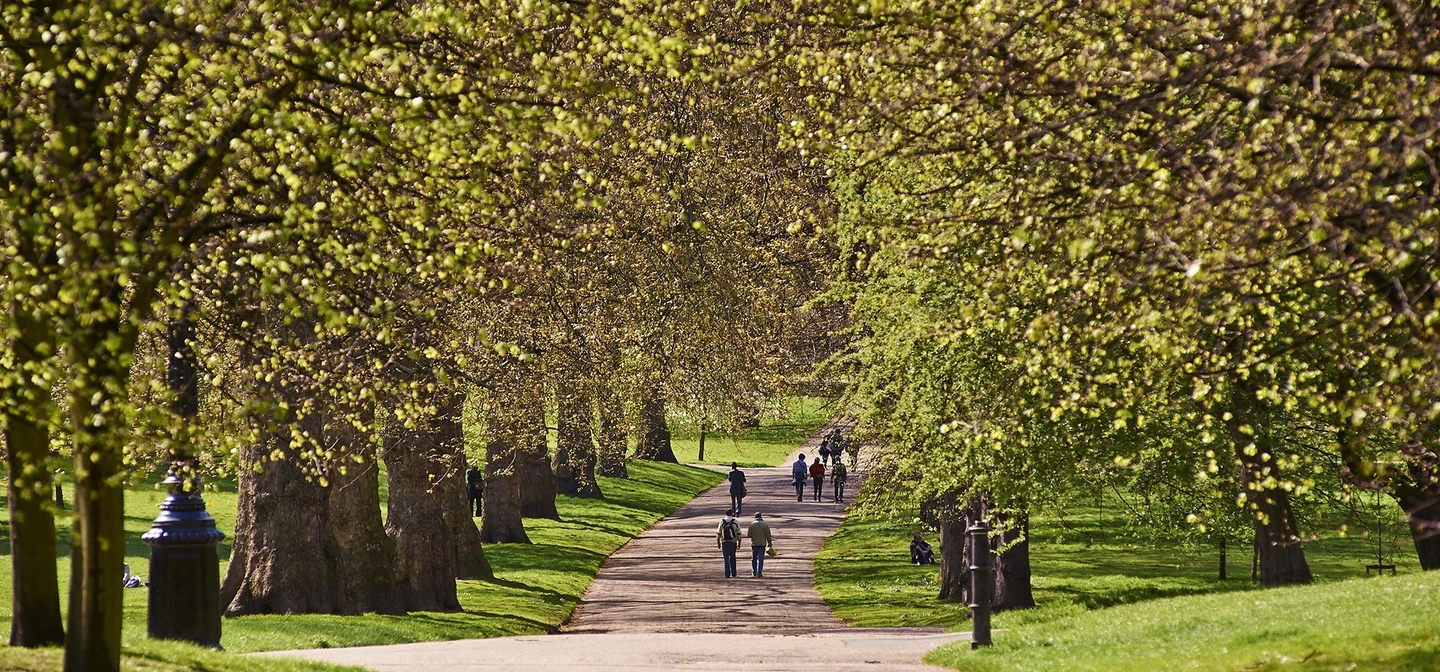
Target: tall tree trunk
{"x": 362, "y": 548}
{"x": 575, "y": 457}
{"x": 97, "y": 386}
{"x": 35, "y": 587}
{"x": 1419, "y": 497}
{"x": 508, "y": 425}
{"x": 954, "y": 558}
{"x": 532, "y": 456}
{"x": 614, "y": 446}
{"x": 425, "y": 555}
{"x": 653, "y": 442}
{"x": 470, "y": 560}
{"x": 1223, "y": 569}
{"x": 1277, "y": 540}
{"x": 280, "y": 561}
{"x": 1012, "y": 568}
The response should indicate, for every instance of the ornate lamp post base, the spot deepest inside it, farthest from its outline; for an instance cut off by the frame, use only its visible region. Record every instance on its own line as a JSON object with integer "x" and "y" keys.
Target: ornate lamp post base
{"x": 184, "y": 567}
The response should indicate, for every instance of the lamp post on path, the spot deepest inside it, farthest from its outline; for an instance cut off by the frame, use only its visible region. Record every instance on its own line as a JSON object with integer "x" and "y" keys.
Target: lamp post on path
{"x": 184, "y": 562}
{"x": 982, "y": 583}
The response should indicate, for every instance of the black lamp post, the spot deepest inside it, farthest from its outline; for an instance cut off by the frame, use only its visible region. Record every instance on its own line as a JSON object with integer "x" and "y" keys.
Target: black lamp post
{"x": 982, "y": 583}
{"x": 184, "y": 567}
{"x": 184, "y": 563}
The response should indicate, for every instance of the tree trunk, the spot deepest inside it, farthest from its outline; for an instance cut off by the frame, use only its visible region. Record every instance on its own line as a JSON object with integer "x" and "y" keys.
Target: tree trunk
{"x": 1223, "y": 571}
{"x": 508, "y": 424}
{"x": 1012, "y": 568}
{"x": 613, "y": 446}
{"x": 280, "y": 562}
{"x": 532, "y": 456}
{"x": 35, "y": 586}
{"x": 1420, "y": 499}
{"x": 1277, "y": 541}
{"x": 425, "y": 554}
{"x": 361, "y": 546}
{"x": 954, "y": 560}
{"x": 97, "y": 561}
{"x": 701, "y": 456}
{"x": 470, "y": 560}
{"x": 574, "y": 448}
{"x": 654, "y": 434}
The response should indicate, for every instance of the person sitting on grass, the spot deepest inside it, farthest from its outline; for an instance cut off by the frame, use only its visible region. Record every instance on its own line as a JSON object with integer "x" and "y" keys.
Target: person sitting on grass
{"x": 920, "y": 553}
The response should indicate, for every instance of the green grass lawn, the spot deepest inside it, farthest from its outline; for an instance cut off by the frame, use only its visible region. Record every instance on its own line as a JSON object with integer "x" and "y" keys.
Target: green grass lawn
{"x": 1388, "y": 624}
{"x": 764, "y": 446}
{"x": 157, "y": 656}
{"x": 536, "y": 589}
{"x": 1086, "y": 565}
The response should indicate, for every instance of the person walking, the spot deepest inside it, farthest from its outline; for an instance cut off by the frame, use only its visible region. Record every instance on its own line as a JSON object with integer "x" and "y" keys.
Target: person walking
{"x": 798, "y": 472}
{"x": 475, "y": 486}
{"x": 737, "y": 487}
{"x": 817, "y": 474}
{"x": 727, "y": 539}
{"x": 837, "y": 478}
{"x": 759, "y": 533}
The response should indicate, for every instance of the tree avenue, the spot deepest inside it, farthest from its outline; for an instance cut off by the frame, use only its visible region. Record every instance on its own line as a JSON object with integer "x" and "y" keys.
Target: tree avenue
{"x": 1186, "y": 253}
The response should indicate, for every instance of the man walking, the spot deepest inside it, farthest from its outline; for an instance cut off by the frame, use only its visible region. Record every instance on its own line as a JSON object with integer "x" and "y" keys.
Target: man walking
{"x": 737, "y": 487}
{"x": 817, "y": 474}
{"x": 837, "y": 477}
{"x": 759, "y": 533}
{"x": 475, "y": 486}
{"x": 798, "y": 472}
{"x": 727, "y": 539}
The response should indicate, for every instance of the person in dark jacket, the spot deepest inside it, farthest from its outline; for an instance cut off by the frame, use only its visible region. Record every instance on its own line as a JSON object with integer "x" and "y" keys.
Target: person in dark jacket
{"x": 737, "y": 487}
{"x": 798, "y": 471}
{"x": 475, "y": 486}
{"x": 837, "y": 478}
{"x": 920, "y": 552}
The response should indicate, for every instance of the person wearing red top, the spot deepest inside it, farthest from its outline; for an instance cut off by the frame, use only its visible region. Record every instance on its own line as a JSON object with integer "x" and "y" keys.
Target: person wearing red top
{"x": 817, "y": 474}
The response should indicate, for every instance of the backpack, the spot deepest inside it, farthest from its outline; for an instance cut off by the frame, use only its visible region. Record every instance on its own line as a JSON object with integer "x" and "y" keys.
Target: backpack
{"x": 729, "y": 531}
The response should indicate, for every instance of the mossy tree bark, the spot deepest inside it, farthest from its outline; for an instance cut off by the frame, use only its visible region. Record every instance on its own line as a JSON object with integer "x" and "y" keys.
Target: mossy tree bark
{"x": 416, "y": 460}
{"x": 575, "y": 455}
{"x": 1012, "y": 567}
{"x": 653, "y": 440}
{"x": 1281, "y": 557}
{"x": 97, "y": 391}
{"x": 613, "y": 446}
{"x": 510, "y": 423}
{"x": 35, "y": 587}
{"x": 302, "y": 548}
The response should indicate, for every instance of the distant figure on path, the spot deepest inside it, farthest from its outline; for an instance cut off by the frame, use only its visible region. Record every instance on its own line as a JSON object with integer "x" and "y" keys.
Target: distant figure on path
{"x": 760, "y": 540}
{"x": 737, "y": 487}
{"x": 817, "y": 474}
{"x": 727, "y": 539}
{"x": 837, "y": 477}
{"x": 920, "y": 552}
{"x": 825, "y": 450}
{"x": 475, "y": 485}
{"x": 798, "y": 472}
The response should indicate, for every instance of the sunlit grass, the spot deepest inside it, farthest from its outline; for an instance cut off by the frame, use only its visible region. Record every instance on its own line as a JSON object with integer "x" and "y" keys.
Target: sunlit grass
{"x": 764, "y": 446}
{"x": 536, "y": 589}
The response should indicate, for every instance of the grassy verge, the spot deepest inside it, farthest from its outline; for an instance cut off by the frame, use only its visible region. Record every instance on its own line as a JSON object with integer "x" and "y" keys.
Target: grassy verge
{"x": 763, "y": 446}
{"x": 1086, "y": 564}
{"x": 1359, "y": 624}
{"x": 537, "y": 586}
{"x": 156, "y": 656}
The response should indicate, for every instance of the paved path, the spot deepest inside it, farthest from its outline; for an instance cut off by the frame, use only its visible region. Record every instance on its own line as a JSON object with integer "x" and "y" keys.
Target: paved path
{"x": 662, "y": 603}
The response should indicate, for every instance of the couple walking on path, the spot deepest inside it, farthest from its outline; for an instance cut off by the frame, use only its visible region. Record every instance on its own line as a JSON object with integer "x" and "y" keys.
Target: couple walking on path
{"x": 727, "y": 539}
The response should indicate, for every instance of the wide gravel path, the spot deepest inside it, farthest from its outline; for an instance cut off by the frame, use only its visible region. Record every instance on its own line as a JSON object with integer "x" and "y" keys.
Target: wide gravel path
{"x": 662, "y": 603}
